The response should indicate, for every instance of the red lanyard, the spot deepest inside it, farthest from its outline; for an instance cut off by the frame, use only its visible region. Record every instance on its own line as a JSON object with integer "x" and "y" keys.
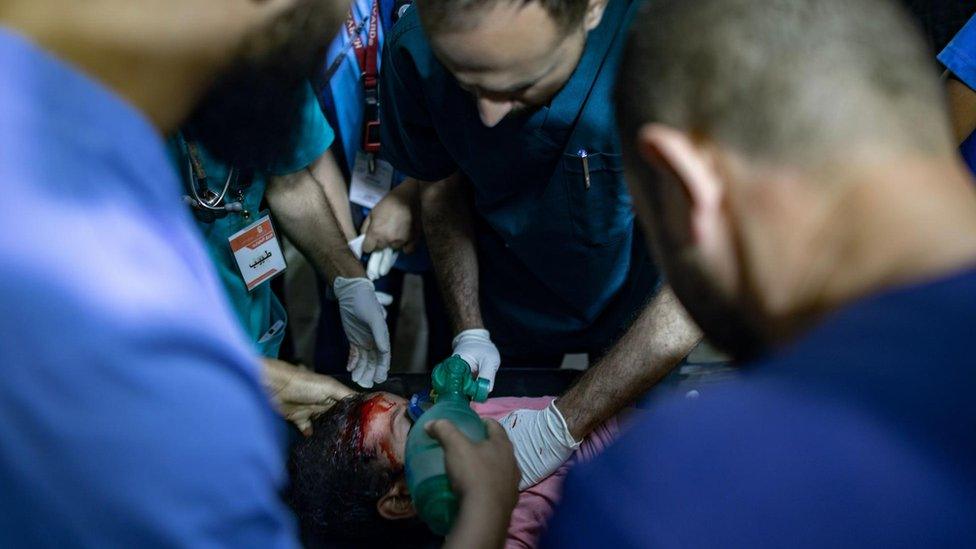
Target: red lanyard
{"x": 367, "y": 54}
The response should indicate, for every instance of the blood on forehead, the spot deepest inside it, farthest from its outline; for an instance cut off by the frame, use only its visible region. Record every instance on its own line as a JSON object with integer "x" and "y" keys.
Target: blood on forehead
{"x": 358, "y": 426}
{"x": 373, "y": 407}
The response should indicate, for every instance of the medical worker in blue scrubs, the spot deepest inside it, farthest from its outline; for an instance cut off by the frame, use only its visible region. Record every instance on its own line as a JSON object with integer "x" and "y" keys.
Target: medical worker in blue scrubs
{"x": 959, "y": 58}
{"x": 502, "y": 111}
{"x": 132, "y": 408}
{"x": 810, "y": 211}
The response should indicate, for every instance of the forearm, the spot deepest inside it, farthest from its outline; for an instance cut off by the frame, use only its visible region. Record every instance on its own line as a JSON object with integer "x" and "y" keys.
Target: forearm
{"x": 300, "y": 395}
{"x": 329, "y": 178}
{"x": 479, "y": 526}
{"x": 299, "y": 204}
{"x": 408, "y": 192}
{"x": 446, "y": 212}
{"x": 289, "y": 383}
{"x": 276, "y": 376}
{"x": 658, "y": 340}
{"x": 962, "y": 107}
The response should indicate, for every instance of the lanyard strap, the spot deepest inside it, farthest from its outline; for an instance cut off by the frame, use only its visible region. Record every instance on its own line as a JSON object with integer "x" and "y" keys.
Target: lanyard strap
{"x": 367, "y": 54}
{"x": 368, "y": 57}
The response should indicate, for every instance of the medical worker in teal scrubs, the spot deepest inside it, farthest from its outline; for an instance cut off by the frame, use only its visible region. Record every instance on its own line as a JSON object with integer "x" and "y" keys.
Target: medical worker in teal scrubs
{"x": 227, "y": 200}
{"x": 502, "y": 111}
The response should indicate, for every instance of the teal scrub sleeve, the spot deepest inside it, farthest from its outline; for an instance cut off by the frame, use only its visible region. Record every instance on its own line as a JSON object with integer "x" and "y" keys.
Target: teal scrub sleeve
{"x": 960, "y": 55}
{"x": 409, "y": 139}
{"x": 315, "y": 138}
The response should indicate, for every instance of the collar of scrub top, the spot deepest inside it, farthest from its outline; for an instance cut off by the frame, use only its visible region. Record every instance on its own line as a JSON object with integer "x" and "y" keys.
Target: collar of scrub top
{"x": 569, "y": 103}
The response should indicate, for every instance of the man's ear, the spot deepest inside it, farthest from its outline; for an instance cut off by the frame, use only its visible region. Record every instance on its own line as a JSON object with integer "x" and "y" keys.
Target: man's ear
{"x": 594, "y": 14}
{"x": 673, "y": 152}
{"x": 396, "y": 503}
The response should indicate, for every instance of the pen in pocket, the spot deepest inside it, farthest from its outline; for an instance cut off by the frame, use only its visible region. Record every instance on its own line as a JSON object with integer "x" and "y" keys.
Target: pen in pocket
{"x": 585, "y": 158}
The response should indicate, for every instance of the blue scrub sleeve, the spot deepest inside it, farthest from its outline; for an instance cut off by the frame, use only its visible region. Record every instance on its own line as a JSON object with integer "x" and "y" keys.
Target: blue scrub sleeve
{"x": 960, "y": 55}
{"x": 137, "y": 428}
{"x": 410, "y": 141}
{"x": 315, "y": 138}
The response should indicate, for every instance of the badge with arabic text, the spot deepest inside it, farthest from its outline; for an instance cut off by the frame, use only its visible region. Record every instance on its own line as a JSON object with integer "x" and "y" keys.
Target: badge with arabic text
{"x": 258, "y": 253}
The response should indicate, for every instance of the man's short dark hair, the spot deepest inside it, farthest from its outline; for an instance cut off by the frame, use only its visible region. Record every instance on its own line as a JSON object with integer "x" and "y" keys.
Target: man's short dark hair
{"x": 438, "y": 15}
{"x": 784, "y": 80}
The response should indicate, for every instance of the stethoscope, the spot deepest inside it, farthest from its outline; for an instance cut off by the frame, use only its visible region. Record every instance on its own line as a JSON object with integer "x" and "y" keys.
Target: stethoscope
{"x": 214, "y": 205}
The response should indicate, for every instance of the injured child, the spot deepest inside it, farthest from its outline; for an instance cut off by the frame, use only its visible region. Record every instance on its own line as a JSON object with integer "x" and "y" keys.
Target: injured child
{"x": 348, "y": 480}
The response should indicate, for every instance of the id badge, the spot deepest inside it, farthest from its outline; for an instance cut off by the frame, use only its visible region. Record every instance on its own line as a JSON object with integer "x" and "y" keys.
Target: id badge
{"x": 367, "y": 189}
{"x": 258, "y": 253}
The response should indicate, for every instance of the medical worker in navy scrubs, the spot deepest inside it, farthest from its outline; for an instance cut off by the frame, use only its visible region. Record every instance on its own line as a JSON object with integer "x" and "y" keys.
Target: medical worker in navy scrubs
{"x": 959, "y": 58}
{"x": 502, "y": 111}
{"x": 809, "y": 207}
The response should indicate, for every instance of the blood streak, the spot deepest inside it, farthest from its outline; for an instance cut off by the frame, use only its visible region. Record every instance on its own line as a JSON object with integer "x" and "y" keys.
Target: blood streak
{"x": 385, "y": 447}
{"x": 373, "y": 407}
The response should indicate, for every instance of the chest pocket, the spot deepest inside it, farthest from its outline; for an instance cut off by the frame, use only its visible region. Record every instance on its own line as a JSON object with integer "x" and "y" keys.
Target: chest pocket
{"x": 601, "y": 213}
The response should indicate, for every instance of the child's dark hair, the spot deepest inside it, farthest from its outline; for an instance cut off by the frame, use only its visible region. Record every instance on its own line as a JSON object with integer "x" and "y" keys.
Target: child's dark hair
{"x": 336, "y": 482}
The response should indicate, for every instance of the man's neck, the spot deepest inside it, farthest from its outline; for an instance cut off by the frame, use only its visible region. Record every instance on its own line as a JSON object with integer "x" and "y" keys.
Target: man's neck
{"x": 894, "y": 225}
{"x": 108, "y": 46}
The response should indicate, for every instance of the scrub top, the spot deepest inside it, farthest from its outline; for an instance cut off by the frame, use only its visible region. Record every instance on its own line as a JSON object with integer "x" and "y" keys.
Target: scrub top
{"x": 560, "y": 267}
{"x": 132, "y": 412}
{"x": 859, "y": 435}
{"x": 258, "y": 310}
{"x": 960, "y": 58}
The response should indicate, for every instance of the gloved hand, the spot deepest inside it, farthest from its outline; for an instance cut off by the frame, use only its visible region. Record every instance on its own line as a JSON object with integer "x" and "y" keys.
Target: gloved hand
{"x": 542, "y": 442}
{"x": 364, "y": 321}
{"x": 356, "y": 246}
{"x": 380, "y": 262}
{"x": 475, "y": 348}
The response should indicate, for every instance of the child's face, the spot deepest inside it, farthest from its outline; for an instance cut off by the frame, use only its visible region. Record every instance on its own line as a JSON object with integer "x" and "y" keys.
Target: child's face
{"x": 385, "y": 424}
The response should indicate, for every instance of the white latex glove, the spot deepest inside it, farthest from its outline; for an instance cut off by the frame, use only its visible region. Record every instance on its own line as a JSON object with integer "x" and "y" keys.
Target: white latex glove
{"x": 475, "y": 348}
{"x": 364, "y": 321}
{"x": 356, "y": 245}
{"x": 380, "y": 263}
{"x": 542, "y": 442}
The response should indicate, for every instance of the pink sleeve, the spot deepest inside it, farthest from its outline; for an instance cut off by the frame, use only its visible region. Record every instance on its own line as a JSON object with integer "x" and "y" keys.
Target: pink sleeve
{"x": 535, "y": 505}
{"x": 497, "y": 408}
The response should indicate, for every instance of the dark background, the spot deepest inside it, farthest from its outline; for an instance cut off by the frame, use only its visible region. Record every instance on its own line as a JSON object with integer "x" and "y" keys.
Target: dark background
{"x": 940, "y": 20}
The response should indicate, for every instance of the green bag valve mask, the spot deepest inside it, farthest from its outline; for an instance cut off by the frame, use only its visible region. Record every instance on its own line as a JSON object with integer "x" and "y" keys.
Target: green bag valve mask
{"x": 453, "y": 387}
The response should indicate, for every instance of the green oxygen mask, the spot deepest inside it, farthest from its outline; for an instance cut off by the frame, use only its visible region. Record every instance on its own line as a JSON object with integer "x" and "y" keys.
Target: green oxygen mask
{"x": 453, "y": 387}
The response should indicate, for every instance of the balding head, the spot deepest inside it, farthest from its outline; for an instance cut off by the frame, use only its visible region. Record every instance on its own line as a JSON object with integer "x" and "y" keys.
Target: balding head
{"x": 513, "y": 56}
{"x": 742, "y": 122}
{"x": 783, "y": 80}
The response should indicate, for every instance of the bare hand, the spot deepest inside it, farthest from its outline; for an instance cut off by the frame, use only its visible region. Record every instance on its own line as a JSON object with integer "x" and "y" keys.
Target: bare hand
{"x": 300, "y": 394}
{"x": 392, "y": 223}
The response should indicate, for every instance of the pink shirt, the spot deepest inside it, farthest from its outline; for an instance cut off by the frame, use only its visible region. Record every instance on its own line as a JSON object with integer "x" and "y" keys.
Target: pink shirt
{"x": 535, "y": 504}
